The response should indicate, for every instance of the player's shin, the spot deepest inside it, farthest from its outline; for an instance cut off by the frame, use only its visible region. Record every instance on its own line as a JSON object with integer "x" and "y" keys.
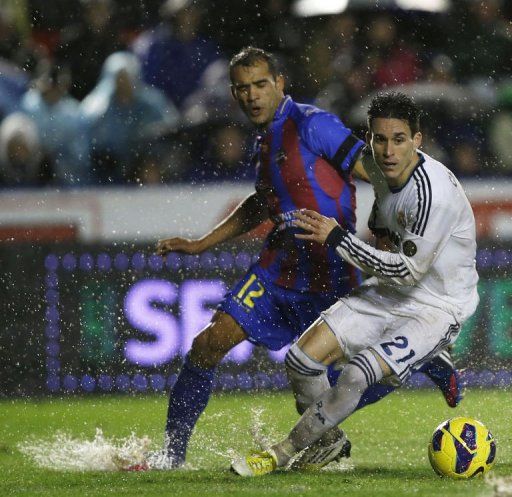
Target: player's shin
{"x": 333, "y": 406}
{"x": 188, "y": 399}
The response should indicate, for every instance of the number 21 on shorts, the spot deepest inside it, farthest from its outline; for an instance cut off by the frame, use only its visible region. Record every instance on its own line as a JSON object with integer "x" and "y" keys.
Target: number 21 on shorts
{"x": 396, "y": 349}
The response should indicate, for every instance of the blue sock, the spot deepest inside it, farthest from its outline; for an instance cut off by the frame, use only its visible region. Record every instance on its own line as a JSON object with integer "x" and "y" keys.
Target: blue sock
{"x": 372, "y": 394}
{"x": 187, "y": 401}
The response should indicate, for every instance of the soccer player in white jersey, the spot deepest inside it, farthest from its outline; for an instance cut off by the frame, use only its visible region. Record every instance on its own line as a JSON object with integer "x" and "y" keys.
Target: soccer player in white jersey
{"x": 418, "y": 295}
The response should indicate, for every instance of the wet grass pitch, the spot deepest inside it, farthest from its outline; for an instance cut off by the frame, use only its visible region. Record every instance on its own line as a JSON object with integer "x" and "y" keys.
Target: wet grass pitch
{"x": 389, "y": 439}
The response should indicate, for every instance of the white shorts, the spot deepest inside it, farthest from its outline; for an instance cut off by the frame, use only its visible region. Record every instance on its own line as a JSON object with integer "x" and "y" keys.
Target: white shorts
{"x": 406, "y": 334}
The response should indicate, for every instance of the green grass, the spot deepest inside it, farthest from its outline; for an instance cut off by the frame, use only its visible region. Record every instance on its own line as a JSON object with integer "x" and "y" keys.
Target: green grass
{"x": 389, "y": 446}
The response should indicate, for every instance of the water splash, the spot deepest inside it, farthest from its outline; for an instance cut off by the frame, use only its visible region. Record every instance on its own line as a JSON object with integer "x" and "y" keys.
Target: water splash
{"x": 501, "y": 485}
{"x": 66, "y": 453}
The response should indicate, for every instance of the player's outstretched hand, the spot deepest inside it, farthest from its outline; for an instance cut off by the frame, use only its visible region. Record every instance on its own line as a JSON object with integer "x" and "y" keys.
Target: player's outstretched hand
{"x": 316, "y": 225}
{"x": 177, "y": 244}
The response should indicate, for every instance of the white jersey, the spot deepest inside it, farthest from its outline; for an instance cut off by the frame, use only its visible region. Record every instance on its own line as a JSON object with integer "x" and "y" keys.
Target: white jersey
{"x": 431, "y": 225}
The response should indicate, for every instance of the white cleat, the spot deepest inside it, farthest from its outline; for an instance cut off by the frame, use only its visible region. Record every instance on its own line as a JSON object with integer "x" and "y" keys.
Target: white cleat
{"x": 333, "y": 446}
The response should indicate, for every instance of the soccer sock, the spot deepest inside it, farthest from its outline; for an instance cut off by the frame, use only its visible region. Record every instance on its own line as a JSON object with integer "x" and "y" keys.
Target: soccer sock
{"x": 337, "y": 403}
{"x": 371, "y": 395}
{"x": 307, "y": 377}
{"x": 188, "y": 399}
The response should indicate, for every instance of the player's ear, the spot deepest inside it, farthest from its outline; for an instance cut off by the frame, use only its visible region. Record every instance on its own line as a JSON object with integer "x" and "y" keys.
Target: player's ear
{"x": 233, "y": 92}
{"x": 280, "y": 82}
{"x": 368, "y": 137}
{"x": 417, "y": 138}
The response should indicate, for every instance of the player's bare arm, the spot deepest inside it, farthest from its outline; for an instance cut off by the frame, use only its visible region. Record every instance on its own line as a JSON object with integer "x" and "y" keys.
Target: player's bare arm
{"x": 359, "y": 172}
{"x": 251, "y": 212}
{"x": 316, "y": 225}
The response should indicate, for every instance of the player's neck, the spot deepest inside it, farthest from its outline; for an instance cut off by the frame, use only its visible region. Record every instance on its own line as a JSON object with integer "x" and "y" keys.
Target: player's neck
{"x": 401, "y": 180}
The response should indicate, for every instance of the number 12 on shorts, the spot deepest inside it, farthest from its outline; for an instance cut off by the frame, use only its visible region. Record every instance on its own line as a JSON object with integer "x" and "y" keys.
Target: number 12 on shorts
{"x": 394, "y": 348}
{"x": 246, "y": 295}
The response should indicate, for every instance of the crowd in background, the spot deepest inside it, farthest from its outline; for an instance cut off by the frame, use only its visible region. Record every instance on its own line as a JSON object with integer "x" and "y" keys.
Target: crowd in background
{"x": 117, "y": 92}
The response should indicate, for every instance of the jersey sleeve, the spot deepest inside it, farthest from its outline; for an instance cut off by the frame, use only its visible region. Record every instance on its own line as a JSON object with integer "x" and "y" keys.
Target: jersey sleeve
{"x": 425, "y": 236}
{"x": 327, "y": 137}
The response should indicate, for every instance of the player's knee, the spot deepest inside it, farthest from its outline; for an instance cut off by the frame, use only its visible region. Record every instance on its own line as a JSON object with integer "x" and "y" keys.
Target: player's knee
{"x": 206, "y": 351}
{"x": 298, "y": 363}
{"x": 215, "y": 341}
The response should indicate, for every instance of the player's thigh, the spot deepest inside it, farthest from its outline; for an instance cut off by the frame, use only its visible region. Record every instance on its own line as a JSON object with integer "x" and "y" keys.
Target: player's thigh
{"x": 356, "y": 324}
{"x": 216, "y": 340}
{"x": 415, "y": 339}
{"x": 262, "y": 310}
{"x": 320, "y": 343}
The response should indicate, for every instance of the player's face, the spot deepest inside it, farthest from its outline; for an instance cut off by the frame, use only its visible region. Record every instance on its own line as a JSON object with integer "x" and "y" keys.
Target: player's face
{"x": 394, "y": 148}
{"x": 257, "y": 92}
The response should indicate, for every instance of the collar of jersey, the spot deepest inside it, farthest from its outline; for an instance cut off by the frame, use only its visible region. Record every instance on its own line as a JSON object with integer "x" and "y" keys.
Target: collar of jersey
{"x": 284, "y": 108}
{"x": 281, "y": 113}
{"x": 421, "y": 160}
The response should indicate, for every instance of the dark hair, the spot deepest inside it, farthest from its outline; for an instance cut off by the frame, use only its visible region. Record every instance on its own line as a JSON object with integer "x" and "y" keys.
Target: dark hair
{"x": 250, "y": 56}
{"x": 395, "y": 105}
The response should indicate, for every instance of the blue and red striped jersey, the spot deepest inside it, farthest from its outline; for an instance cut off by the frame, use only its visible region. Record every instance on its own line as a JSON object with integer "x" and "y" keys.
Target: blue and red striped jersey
{"x": 304, "y": 160}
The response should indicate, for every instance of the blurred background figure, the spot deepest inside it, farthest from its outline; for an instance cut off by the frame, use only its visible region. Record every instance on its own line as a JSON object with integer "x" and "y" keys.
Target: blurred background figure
{"x": 124, "y": 117}
{"x": 466, "y": 159}
{"x": 61, "y": 130}
{"x": 13, "y": 84}
{"x": 392, "y": 59}
{"x": 500, "y": 132}
{"x": 224, "y": 159}
{"x": 174, "y": 55}
{"x": 480, "y": 42}
{"x": 85, "y": 44}
{"x": 22, "y": 159}
{"x": 212, "y": 102}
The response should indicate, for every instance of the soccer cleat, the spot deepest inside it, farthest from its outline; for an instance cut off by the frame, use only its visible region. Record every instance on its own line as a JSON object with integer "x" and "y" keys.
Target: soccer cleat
{"x": 333, "y": 446}
{"x": 442, "y": 372}
{"x": 137, "y": 467}
{"x": 255, "y": 464}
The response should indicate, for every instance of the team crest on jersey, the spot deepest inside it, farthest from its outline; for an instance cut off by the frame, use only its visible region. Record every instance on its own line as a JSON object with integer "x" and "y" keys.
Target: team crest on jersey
{"x": 409, "y": 248}
{"x": 401, "y": 219}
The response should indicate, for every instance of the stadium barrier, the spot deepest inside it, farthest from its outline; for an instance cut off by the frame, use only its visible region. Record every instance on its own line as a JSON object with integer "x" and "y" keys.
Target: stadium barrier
{"x": 117, "y": 318}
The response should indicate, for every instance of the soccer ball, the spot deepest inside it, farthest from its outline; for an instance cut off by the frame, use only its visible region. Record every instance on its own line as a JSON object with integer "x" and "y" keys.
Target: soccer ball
{"x": 461, "y": 448}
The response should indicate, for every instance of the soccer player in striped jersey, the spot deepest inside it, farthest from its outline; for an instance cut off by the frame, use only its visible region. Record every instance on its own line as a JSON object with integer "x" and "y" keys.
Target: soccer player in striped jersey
{"x": 419, "y": 293}
{"x": 305, "y": 159}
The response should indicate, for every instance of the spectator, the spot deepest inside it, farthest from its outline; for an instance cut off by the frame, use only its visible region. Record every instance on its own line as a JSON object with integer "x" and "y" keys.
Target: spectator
{"x": 148, "y": 170}
{"x": 480, "y": 41}
{"x": 13, "y": 85}
{"x": 124, "y": 116}
{"x": 333, "y": 51}
{"x": 22, "y": 160}
{"x": 465, "y": 160}
{"x": 174, "y": 55}
{"x": 16, "y": 45}
{"x": 500, "y": 132}
{"x": 212, "y": 101}
{"x": 225, "y": 158}
{"x": 61, "y": 130}
{"x": 85, "y": 45}
{"x": 393, "y": 61}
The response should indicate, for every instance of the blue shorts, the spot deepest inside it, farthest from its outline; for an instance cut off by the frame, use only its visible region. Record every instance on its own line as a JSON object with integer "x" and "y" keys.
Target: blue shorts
{"x": 272, "y": 315}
